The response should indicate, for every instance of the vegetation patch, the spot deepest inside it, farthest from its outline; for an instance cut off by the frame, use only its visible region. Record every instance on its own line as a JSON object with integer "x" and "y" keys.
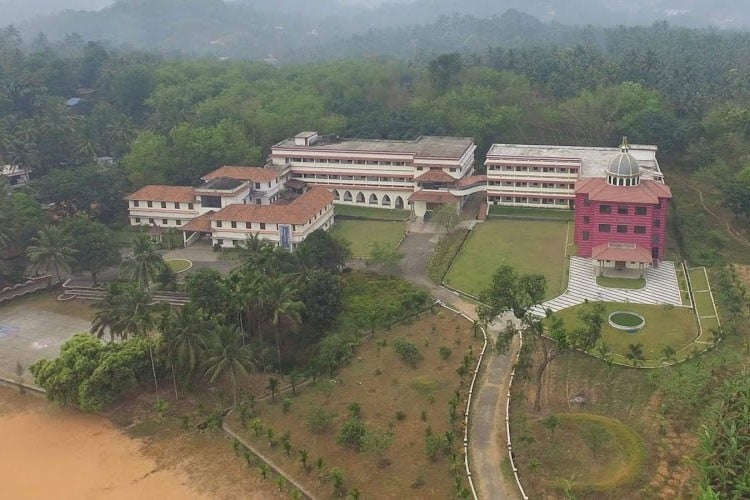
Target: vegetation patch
{"x": 179, "y": 265}
{"x": 445, "y": 251}
{"x": 363, "y": 234}
{"x": 356, "y": 212}
{"x": 627, "y": 283}
{"x": 627, "y": 319}
{"x": 391, "y": 429}
{"x": 540, "y": 213}
{"x": 528, "y": 246}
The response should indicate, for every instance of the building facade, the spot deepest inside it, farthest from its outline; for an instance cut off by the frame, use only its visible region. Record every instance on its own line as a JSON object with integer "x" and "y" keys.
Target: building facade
{"x": 15, "y": 175}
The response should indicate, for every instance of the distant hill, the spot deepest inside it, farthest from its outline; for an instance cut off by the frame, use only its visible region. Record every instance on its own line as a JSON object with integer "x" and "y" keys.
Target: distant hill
{"x": 17, "y": 11}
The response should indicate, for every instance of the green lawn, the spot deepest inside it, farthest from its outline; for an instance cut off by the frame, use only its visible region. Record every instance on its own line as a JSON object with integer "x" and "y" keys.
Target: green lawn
{"x": 550, "y": 213}
{"x": 444, "y": 253}
{"x": 528, "y": 246}
{"x": 361, "y": 234}
{"x": 665, "y": 326}
{"x": 698, "y": 279}
{"x": 628, "y": 283}
{"x": 372, "y": 213}
{"x": 179, "y": 265}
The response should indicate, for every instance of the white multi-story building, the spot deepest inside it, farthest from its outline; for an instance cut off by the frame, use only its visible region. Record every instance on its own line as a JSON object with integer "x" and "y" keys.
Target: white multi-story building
{"x": 162, "y": 206}
{"x": 545, "y": 176}
{"x": 374, "y": 173}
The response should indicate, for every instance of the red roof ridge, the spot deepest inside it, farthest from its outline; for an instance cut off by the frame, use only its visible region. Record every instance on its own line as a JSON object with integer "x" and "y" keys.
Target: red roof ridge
{"x": 162, "y": 192}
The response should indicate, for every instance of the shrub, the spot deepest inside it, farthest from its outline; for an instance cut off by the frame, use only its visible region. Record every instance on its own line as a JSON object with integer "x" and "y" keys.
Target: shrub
{"x": 351, "y": 434}
{"x": 286, "y": 405}
{"x": 355, "y": 409}
{"x": 434, "y": 445}
{"x": 408, "y": 351}
{"x": 445, "y": 353}
{"x": 318, "y": 419}
{"x": 400, "y": 415}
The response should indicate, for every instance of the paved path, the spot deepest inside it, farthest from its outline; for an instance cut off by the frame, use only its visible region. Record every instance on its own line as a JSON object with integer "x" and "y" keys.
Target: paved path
{"x": 487, "y": 446}
{"x": 661, "y": 287}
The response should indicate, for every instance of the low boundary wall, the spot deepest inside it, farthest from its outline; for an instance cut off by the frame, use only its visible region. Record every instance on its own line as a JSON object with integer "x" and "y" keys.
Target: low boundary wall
{"x": 29, "y": 286}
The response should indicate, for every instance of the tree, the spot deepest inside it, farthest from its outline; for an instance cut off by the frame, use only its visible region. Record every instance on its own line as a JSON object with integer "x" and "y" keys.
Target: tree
{"x": 282, "y": 303}
{"x": 208, "y": 290}
{"x": 126, "y": 310}
{"x": 445, "y": 70}
{"x": 322, "y": 294}
{"x": 377, "y": 441}
{"x": 593, "y": 318}
{"x": 668, "y": 354}
{"x": 635, "y": 355}
{"x": 186, "y": 333}
{"x": 384, "y": 256}
{"x": 227, "y": 355}
{"x": 321, "y": 249}
{"x": 273, "y": 387}
{"x": 144, "y": 265}
{"x": 447, "y": 216}
{"x": 96, "y": 245}
{"x": 52, "y": 248}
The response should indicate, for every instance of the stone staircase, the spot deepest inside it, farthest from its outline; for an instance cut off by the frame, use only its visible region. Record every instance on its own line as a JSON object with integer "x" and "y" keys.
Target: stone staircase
{"x": 661, "y": 287}
{"x": 97, "y": 293}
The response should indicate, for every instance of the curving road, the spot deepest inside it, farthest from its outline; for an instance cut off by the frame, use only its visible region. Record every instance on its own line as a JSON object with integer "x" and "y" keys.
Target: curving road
{"x": 487, "y": 445}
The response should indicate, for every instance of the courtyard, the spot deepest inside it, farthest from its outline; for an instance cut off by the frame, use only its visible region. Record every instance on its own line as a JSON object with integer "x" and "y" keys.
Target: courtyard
{"x": 539, "y": 247}
{"x": 363, "y": 234}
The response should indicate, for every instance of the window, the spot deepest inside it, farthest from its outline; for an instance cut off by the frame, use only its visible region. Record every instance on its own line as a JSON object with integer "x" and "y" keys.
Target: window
{"x": 586, "y": 202}
{"x": 262, "y": 225}
{"x": 605, "y": 209}
{"x": 211, "y": 201}
{"x": 164, "y": 222}
{"x": 137, "y": 220}
{"x": 585, "y": 236}
{"x": 220, "y": 242}
{"x": 151, "y": 221}
{"x": 234, "y": 243}
{"x": 639, "y": 229}
{"x": 163, "y": 204}
{"x": 258, "y": 201}
{"x": 622, "y": 210}
{"x": 218, "y": 223}
{"x": 257, "y": 185}
{"x": 234, "y": 224}
{"x": 178, "y": 222}
{"x": 586, "y": 219}
{"x": 657, "y": 223}
{"x": 640, "y": 210}
{"x": 622, "y": 229}
{"x": 135, "y": 203}
{"x": 149, "y": 204}
{"x": 177, "y": 205}
{"x": 190, "y": 206}
{"x": 453, "y": 170}
{"x": 604, "y": 228}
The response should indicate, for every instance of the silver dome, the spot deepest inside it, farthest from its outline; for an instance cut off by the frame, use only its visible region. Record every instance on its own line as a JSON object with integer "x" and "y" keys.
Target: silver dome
{"x": 623, "y": 164}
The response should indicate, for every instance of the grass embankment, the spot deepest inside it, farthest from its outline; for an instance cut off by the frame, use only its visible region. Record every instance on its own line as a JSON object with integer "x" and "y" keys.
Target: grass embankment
{"x": 529, "y": 246}
{"x": 704, "y": 305}
{"x": 684, "y": 289}
{"x": 626, "y": 283}
{"x": 542, "y": 213}
{"x": 392, "y": 398}
{"x": 372, "y": 213}
{"x": 584, "y": 453}
{"x": 665, "y": 326}
{"x": 445, "y": 251}
{"x": 362, "y": 234}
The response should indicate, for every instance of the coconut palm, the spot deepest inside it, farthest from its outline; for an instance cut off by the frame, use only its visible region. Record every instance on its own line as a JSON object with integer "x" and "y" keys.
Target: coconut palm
{"x": 635, "y": 355}
{"x": 185, "y": 333}
{"x": 227, "y": 355}
{"x": 52, "y": 248}
{"x": 144, "y": 265}
{"x": 281, "y": 298}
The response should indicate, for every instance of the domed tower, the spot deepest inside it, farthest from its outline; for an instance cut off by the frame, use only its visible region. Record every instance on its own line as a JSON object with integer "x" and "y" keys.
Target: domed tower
{"x": 623, "y": 169}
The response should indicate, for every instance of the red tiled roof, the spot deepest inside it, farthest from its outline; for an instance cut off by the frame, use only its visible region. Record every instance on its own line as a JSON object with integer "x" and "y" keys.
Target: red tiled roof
{"x": 648, "y": 191}
{"x": 621, "y": 251}
{"x": 153, "y": 192}
{"x": 298, "y": 211}
{"x": 254, "y": 174}
{"x": 433, "y": 197}
{"x": 469, "y": 181}
{"x": 435, "y": 175}
{"x": 201, "y": 224}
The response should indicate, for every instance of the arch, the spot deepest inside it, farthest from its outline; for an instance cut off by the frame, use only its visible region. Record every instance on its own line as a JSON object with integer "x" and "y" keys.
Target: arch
{"x": 386, "y": 201}
{"x": 399, "y": 202}
{"x": 347, "y": 196}
{"x": 373, "y": 199}
{"x": 336, "y": 195}
{"x": 360, "y": 197}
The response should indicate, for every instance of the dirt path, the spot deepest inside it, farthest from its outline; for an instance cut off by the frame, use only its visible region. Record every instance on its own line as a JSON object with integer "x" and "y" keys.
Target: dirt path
{"x": 487, "y": 447}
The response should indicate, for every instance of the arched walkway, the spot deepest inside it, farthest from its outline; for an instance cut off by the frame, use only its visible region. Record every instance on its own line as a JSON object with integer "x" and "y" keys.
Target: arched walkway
{"x": 347, "y": 196}
{"x": 399, "y": 202}
{"x": 360, "y": 198}
{"x": 386, "y": 202}
{"x": 373, "y": 199}
{"x": 336, "y": 194}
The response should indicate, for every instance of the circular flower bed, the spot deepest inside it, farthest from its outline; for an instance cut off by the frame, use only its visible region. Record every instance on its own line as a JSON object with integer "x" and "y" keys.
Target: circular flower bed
{"x": 179, "y": 265}
{"x": 627, "y": 321}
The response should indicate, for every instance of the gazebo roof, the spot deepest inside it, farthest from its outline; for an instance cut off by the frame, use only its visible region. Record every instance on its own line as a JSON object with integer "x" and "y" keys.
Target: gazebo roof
{"x": 621, "y": 252}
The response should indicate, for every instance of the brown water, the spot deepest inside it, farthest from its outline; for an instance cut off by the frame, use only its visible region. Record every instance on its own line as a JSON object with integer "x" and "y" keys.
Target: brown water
{"x": 55, "y": 453}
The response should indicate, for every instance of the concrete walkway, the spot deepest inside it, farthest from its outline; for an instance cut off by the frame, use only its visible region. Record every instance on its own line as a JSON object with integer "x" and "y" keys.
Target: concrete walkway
{"x": 487, "y": 442}
{"x": 661, "y": 287}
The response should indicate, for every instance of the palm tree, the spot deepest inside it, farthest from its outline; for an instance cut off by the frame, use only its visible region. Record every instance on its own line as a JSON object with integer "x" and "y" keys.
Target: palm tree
{"x": 281, "y": 298}
{"x": 228, "y": 355}
{"x": 52, "y": 248}
{"x": 635, "y": 354}
{"x": 669, "y": 354}
{"x": 185, "y": 333}
{"x": 144, "y": 265}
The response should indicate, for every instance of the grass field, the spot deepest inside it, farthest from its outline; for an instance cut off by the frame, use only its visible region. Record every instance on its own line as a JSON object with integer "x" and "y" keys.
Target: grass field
{"x": 673, "y": 326}
{"x": 372, "y": 213}
{"x": 528, "y": 246}
{"x": 361, "y": 234}
{"x": 394, "y": 398}
{"x": 627, "y": 283}
{"x": 179, "y": 265}
{"x": 549, "y": 213}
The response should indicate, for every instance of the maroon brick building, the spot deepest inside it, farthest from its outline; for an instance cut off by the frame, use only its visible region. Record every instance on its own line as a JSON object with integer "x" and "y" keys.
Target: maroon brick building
{"x": 621, "y": 219}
